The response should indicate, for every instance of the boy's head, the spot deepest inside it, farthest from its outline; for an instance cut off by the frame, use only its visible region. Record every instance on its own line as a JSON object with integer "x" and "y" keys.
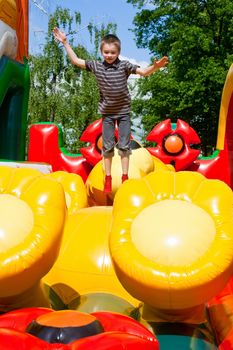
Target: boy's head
{"x": 110, "y": 39}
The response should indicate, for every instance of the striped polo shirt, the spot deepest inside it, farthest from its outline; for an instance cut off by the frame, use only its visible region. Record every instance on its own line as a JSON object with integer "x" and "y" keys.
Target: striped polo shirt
{"x": 112, "y": 82}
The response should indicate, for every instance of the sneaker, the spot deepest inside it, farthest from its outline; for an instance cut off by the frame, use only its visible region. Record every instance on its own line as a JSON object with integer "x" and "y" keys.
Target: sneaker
{"x": 124, "y": 177}
{"x": 108, "y": 184}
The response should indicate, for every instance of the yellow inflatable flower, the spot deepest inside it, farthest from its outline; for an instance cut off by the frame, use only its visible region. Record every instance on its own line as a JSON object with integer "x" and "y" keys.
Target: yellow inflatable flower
{"x": 172, "y": 238}
{"x": 32, "y": 217}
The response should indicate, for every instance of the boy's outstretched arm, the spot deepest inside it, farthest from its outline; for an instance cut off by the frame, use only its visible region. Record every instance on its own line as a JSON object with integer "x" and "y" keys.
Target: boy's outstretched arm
{"x": 145, "y": 72}
{"x": 61, "y": 37}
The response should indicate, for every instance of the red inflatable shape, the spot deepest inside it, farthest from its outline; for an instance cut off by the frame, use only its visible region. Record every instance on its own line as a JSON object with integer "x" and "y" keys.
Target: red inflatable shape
{"x": 184, "y": 155}
{"x": 119, "y": 332}
{"x": 92, "y": 134}
{"x": 46, "y": 145}
{"x": 215, "y": 167}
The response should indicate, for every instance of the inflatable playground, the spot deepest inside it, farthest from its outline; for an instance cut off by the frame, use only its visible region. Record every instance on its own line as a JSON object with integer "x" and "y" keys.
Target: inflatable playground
{"x": 148, "y": 267}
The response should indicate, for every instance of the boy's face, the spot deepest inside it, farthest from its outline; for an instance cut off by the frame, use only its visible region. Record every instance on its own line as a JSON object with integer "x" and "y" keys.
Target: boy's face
{"x": 110, "y": 52}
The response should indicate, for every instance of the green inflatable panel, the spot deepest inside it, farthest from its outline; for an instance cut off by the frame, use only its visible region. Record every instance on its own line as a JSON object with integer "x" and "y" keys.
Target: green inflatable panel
{"x": 14, "y": 95}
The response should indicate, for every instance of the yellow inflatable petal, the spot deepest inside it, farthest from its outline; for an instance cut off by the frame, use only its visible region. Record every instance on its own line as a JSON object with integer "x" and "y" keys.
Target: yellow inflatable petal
{"x": 159, "y": 165}
{"x": 20, "y": 179}
{"x": 132, "y": 197}
{"x": 5, "y": 175}
{"x": 11, "y": 178}
{"x": 161, "y": 184}
{"x": 215, "y": 197}
{"x": 75, "y": 190}
{"x": 170, "y": 167}
{"x": 186, "y": 186}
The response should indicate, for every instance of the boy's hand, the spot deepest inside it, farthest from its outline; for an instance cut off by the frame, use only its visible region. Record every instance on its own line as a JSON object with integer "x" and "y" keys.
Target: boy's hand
{"x": 161, "y": 63}
{"x": 59, "y": 35}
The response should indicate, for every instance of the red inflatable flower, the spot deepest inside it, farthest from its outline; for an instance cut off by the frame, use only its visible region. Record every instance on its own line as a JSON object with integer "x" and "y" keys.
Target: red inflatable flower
{"x": 41, "y": 328}
{"x": 174, "y": 146}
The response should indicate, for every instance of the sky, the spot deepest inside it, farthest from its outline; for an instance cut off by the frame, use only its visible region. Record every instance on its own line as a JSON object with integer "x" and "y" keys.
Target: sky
{"x": 97, "y": 11}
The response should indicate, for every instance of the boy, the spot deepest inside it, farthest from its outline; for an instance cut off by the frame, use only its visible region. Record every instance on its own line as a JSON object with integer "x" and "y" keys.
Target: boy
{"x": 114, "y": 104}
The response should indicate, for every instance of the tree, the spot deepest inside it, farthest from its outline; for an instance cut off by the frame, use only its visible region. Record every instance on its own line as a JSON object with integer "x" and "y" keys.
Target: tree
{"x": 197, "y": 35}
{"x": 60, "y": 92}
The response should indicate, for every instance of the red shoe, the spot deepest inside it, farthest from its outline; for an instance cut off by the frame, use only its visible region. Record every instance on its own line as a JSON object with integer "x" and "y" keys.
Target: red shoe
{"x": 124, "y": 177}
{"x": 108, "y": 184}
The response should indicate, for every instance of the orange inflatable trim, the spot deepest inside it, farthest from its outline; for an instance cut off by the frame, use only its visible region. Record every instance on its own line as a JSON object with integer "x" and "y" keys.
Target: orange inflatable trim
{"x": 22, "y": 29}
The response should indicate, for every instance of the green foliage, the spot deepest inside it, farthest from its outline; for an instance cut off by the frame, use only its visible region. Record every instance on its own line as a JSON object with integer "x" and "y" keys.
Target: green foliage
{"x": 198, "y": 38}
{"x": 96, "y": 34}
{"x": 60, "y": 92}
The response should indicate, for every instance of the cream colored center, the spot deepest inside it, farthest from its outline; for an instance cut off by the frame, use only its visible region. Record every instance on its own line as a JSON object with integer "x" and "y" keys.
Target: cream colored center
{"x": 173, "y": 232}
{"x": 16, "y": 221}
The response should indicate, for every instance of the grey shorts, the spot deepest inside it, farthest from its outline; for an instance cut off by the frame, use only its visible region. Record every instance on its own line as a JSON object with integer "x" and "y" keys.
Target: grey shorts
{"x": 108, "y": 134}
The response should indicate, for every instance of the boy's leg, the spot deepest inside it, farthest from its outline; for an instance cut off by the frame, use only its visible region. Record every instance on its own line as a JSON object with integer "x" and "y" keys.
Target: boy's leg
{"x": 108, "y": 135}
{"x": 125, "y": 167}
{"x": 108, "y": 177}
{"x": 124, "y": 125}
{"x": 107, "y": 165}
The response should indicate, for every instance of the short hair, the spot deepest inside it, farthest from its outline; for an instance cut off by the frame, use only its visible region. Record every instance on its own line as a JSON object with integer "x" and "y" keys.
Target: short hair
{"x": 110, "y": 39}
